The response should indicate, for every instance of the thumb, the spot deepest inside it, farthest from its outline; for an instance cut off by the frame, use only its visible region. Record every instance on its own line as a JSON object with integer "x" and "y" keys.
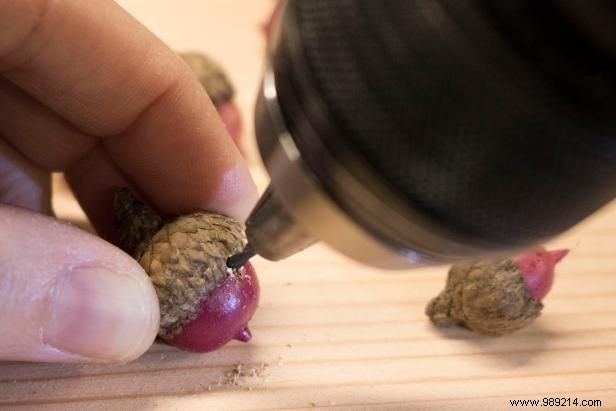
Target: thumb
{"x": 68, "y": 296}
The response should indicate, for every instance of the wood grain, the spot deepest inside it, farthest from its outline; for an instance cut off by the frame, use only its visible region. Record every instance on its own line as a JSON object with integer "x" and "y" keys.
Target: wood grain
{"x": 333, "y": 334}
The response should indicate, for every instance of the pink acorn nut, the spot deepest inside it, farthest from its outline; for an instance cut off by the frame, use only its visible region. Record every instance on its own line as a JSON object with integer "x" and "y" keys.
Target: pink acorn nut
{"x": 224, "y": 314}
{"x": 537, "y": 269}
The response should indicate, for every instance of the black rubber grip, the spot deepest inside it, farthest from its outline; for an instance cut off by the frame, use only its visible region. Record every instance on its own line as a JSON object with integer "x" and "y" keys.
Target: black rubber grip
{"x": 495, "y": 118}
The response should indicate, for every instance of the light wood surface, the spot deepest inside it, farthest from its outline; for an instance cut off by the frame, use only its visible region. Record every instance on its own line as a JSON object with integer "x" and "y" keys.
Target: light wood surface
{"x": 332, "y": 334}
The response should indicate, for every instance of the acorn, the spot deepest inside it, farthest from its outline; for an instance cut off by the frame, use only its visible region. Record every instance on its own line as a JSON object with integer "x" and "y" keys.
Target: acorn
{"x": 203, "y": 303}
{"x": 496, "y": 297}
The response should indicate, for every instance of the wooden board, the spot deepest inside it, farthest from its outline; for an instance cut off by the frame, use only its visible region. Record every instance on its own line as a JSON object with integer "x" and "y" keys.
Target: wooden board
{"x": 333, "y": 334}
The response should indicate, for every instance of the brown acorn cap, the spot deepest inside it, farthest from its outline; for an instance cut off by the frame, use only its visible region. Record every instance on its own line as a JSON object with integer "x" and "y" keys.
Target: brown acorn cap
{"x": 490, "y": 298}
{"x": 135, "y": 223}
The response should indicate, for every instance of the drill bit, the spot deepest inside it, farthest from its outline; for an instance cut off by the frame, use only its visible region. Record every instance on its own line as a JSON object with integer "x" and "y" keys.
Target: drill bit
{"x": 239, "y": 259}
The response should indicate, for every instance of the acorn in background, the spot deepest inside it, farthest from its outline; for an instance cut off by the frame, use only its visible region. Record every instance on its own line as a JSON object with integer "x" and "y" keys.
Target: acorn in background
{"x": 496, "y": 297}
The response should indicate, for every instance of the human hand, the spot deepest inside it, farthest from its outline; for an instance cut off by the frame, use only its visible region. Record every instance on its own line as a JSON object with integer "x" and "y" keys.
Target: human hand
{"x": 85, "y": 89}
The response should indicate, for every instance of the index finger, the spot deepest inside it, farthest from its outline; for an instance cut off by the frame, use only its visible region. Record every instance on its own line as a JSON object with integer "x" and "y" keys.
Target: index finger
{"x": 96, "y": 67}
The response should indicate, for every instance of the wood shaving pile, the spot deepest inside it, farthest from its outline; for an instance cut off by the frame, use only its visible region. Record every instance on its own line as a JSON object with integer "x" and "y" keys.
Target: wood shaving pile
{"x": 242, "y": 376}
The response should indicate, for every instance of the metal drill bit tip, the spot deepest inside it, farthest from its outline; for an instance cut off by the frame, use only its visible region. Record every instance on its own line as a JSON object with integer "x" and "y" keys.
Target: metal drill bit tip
{"x": 239, "y": 259}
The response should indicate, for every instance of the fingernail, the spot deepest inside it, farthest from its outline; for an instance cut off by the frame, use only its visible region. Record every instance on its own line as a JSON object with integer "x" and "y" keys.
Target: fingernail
{"x": 102, "y": 314}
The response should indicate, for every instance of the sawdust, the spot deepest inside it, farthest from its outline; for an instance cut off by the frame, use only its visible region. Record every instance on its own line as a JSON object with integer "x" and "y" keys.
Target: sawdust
{"x": 242, "y": 376}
